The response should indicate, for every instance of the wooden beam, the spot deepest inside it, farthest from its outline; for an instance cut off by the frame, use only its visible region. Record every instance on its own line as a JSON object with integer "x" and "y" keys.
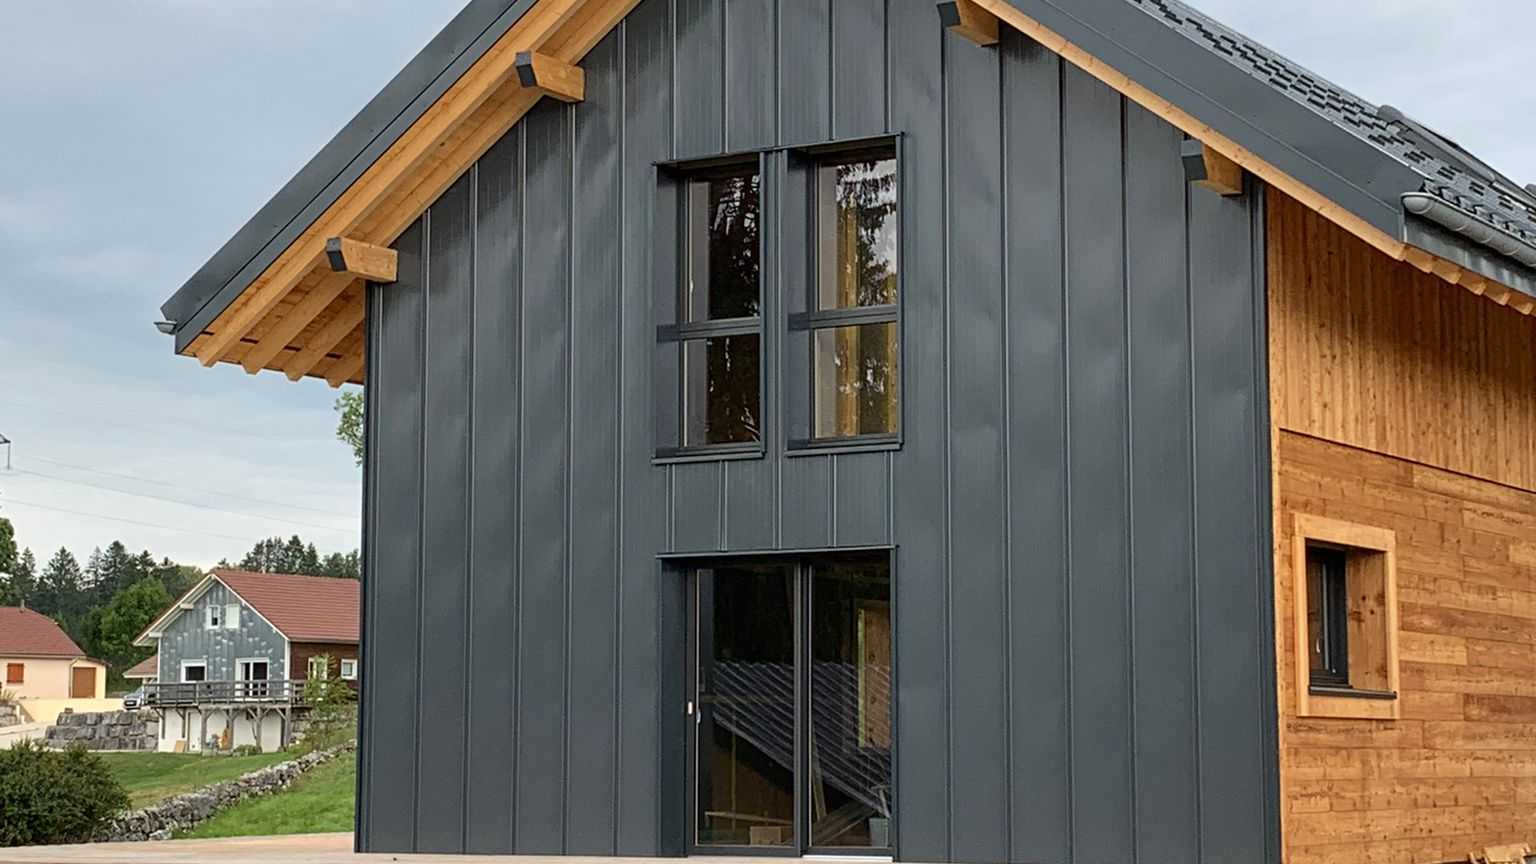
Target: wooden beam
{"x": 364, "y": 260}
{"x": 345, "y": 369}
{"x": 1523, "y": 303}
{"x": 552, "y": 77}
{"x": 965, "y": 18}
{"x": 1203, "y": 166}
{"x": 423, "y": 141}
{"x": 325, "y": 340}
{"x": 294, "y": 322}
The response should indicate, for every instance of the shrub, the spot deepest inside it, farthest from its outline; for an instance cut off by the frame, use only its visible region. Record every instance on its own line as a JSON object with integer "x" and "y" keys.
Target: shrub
{"x": 54, "y": 797}
{"x": 332, "y": 712}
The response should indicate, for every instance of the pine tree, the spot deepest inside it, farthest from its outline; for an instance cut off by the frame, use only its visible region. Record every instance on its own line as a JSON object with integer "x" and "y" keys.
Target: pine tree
{"x": 24, "y": 576}
{"x": 61, "y": 591}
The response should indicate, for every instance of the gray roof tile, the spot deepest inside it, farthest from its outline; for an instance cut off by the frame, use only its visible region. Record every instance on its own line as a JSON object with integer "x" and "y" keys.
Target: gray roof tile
{"x": 1449, "y": 173}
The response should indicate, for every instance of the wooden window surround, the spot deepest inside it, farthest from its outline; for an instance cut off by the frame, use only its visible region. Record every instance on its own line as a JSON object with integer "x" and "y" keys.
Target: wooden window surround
{"x": 15, "y": 673}
{"x": 1371, "y": 631}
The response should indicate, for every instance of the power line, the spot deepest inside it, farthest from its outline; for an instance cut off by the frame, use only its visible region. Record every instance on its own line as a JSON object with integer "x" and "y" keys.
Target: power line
{"x": 129, "y": 521}
{"x": 58, "y": 479}
{"x": 137, "y": 479}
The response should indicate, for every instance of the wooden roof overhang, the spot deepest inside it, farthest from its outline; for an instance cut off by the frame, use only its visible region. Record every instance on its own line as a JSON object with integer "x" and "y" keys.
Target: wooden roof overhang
{"x": 303, "y": 313}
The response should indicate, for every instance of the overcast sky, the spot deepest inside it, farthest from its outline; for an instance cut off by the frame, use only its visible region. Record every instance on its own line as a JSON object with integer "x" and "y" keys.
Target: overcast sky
{"x": 136, "y": 136}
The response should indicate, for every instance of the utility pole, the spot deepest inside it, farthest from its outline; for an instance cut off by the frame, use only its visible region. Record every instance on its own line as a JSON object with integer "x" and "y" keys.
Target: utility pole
{"x": 6, "y": 443}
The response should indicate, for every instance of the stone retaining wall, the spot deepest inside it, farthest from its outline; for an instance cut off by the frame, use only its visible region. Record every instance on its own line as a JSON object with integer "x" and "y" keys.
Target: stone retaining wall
{"x": 10, "y": 715}
{"x": 186, "y": 811}
{"x": 105, "y": 730}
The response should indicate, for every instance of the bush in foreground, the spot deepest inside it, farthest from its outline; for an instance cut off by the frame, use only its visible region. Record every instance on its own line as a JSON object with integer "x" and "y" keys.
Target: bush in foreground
{"x": 51, "y": 797}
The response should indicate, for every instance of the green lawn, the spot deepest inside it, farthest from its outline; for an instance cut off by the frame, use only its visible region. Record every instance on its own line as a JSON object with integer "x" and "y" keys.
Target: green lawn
{"x": 319, "y": 802}
{"x": 150, "y": 777}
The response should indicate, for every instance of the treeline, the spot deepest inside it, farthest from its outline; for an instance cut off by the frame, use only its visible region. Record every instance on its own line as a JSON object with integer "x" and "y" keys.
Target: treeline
{"x": 109, "y": 600}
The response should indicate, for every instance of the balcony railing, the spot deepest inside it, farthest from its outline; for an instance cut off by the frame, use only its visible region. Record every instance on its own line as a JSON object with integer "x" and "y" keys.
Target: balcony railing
{"x": 223, "y": 693}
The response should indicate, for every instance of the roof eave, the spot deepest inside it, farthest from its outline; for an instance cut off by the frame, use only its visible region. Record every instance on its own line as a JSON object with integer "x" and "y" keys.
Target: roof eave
{"x": 337, "y": 166}
{"x": 1461, "y": 238}
{"x": 1333, "y": 162}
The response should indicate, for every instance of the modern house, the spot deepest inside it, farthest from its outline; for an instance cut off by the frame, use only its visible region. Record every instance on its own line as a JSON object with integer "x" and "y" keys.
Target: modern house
{"x": 996, "y": 430}
{"x": 40, "y": 661}
{"x": 234, "y": 652}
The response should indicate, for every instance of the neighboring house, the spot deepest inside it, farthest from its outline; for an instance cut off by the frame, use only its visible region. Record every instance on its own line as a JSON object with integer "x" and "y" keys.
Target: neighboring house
{"x": 234, "y": 651}
{"x": 146, "y": 671}
{"x": 38, "y": 660}
{"x": 815, "y": 431}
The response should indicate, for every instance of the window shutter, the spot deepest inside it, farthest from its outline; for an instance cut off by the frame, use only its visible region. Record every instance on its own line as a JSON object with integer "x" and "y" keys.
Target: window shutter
{"x": 232, "y": 616}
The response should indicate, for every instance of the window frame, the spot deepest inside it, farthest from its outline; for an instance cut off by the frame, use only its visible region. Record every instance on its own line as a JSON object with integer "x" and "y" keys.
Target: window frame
{"x": 676, "y": 334}
{"x": 317, "y": 661}
{"x": 194, "y": 664}
{"x": 213, "y": 616}
{"x": 1335, "y": 616}
{"x": 231, "y": 618}
{"x": 809, "y": 160}
{"x": 1324, "y": 699}
{"x": 345, "y": 675}
{"x": 20, "y": 670}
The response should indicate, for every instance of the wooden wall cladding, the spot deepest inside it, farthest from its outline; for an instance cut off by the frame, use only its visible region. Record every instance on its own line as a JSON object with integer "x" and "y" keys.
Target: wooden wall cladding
{"x": 1373, "y": 352}
{"x": 1458, "y": 771}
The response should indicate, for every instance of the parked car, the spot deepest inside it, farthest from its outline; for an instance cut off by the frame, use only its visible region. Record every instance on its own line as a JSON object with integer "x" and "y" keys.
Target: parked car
{"x": 140, "y": 698}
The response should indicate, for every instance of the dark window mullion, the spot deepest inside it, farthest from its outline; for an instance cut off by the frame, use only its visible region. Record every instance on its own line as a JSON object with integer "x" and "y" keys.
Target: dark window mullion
{"x": 828, "y": 318}
{"x": 709, "y": 329}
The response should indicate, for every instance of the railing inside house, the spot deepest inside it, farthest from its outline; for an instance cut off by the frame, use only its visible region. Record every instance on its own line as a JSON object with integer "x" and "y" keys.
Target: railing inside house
{"x": 223, "y": 693}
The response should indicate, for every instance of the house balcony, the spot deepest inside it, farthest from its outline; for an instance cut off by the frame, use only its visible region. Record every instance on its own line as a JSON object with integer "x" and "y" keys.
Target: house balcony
{"x": 193, "y": 694}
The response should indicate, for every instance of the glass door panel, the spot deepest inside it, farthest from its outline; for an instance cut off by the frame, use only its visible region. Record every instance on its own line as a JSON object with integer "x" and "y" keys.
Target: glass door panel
{"x": 745, "y": 707}
{"x": 849, "y": 753}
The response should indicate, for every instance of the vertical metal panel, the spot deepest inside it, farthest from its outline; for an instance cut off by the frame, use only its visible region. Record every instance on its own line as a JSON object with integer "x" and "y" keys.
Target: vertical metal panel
{"x": 496, "y": 326}
{"x": 592, "y": 712}
{"x": 647, "y": 88}
{"x": 697, "y": 496}
{"x": 1040, "y": 808}
{"x": 805, "y": 69}
{"x": 544, "y": 600}
{"x": 1231, "y": 564}
{"x": 858, "y": 68}
{"x": 1161, "y": 489}
{"x": 394, "y": 574}
{"x": 977, "y": 593}
{"x": 861, "y": 488}
{"x": 445, "y": 521}
{"x": 700, "y": 63}
{"x": 1096, "y": 464}
{"x": 923, "y": 776}
{"x": 805, "y": 513}
{"x": 751, "y": 73}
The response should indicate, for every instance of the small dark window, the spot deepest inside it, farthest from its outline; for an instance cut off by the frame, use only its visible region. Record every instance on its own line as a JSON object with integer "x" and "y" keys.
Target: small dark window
{"x": 853, "y": 316}
{"x": 716, "y": 332}
{"x": 1328, "y": 615}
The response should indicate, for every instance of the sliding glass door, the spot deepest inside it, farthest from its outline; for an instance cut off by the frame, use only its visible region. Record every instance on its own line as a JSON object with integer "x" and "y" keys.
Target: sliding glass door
{"x": 791, "y": 704}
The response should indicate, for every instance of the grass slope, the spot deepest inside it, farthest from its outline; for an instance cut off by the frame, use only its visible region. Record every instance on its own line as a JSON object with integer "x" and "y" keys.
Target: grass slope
{"x": 151, "y": 777}
{"x": 319, "y": 802}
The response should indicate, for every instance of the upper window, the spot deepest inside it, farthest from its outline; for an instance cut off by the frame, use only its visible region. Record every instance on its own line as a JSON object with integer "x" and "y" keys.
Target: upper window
{"x": 319, "y": 667}
{"x": 213, "y": 616}
{"x": 232, "y": 616}
{"x": 15, "y": 673}
{"x": 715, "y": 336}
{"x": 1346, "y": 619}
{"x": 349, "y": 670}
{"x": 853, "y": 320}
{"x": 193, "y": 672}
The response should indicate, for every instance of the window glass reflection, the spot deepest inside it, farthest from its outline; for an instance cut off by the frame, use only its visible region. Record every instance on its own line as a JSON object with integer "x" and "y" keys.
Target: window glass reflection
{"x": 858, "y": 234}
{"x": 857, "y": 380}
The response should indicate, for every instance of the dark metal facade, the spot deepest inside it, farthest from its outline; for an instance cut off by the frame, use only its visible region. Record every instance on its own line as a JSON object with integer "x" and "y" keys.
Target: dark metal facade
{"x": 1079, "y": 507}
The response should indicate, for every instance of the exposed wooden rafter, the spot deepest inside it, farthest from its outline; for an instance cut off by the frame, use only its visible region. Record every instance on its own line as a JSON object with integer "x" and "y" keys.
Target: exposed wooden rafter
{"x": 1209, "y": 169}
{"x": 966, "y": 18}
{"x": 552, "y": 77}
{"x": 363, "y": 260}
{"x": 455, "y": 131}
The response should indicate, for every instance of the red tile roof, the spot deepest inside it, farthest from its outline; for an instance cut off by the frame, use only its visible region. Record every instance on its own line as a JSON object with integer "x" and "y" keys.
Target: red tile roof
{"x": 24, "y": 633}
{"x": 149, "y": 668}
{"x": 304, "y": 608}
